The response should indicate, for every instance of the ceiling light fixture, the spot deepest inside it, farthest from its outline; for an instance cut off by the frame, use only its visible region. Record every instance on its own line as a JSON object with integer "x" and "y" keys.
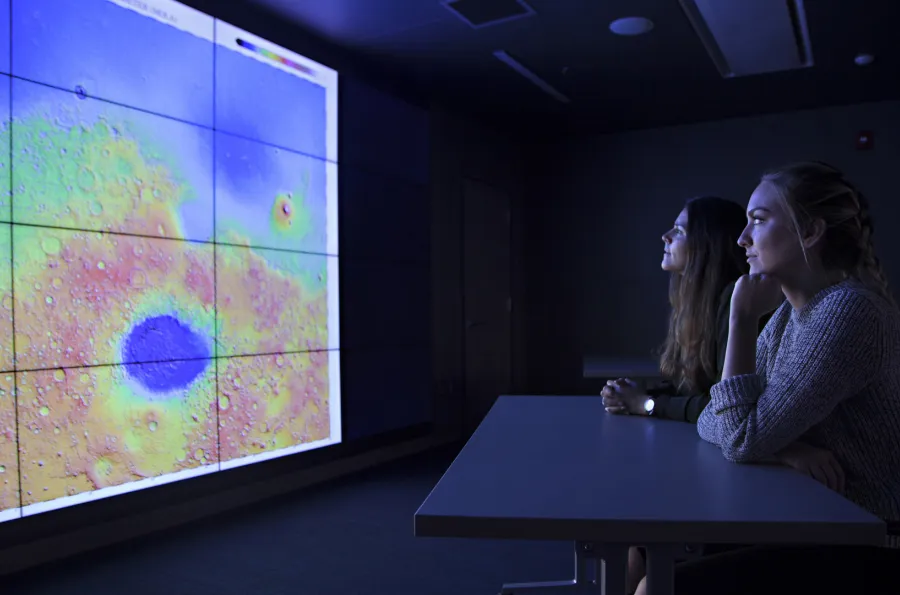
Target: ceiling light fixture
{"x": 631, "y": 26}
{"x": 748, "y": 38}
{"x": 534, "y": 79}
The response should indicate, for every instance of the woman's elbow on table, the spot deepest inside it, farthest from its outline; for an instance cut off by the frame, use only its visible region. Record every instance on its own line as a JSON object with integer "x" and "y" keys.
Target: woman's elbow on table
{"x": 735, "y": 443}
{"x": 737, "y": 454}
{"x": 708, "y": 428}
{"x": 737, "y": 449}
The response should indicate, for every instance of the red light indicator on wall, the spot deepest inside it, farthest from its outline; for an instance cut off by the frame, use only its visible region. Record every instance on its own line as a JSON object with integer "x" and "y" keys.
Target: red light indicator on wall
{"x": 865, "y": 141}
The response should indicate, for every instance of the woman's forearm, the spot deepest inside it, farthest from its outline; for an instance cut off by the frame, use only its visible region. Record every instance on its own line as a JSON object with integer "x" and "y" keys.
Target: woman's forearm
{"x": 740, "y": 353}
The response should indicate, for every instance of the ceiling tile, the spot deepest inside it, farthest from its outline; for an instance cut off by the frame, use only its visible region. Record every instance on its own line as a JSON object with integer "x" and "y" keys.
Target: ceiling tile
{"x": 352, "y": 21}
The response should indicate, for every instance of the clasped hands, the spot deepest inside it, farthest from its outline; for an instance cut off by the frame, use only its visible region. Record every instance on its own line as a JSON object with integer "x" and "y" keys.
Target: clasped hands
{"x": 623, "y": 396}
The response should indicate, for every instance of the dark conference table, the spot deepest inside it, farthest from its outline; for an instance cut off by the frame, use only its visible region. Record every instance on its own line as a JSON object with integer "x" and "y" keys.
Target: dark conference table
{"x": 561, "y": 468}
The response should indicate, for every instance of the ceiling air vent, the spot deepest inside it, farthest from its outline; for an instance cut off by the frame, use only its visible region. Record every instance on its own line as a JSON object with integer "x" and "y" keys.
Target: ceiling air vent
{"x": 484, "y": 13}
{"x": 752, "y": 37}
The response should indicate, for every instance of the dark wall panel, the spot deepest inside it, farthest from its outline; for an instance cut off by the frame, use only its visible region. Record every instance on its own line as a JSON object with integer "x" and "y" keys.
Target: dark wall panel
{"x": 382, "y": 216}
{"x": 385, "y": 388}
{"x": 382, "y": 134}
{"x": 384, "y": 305}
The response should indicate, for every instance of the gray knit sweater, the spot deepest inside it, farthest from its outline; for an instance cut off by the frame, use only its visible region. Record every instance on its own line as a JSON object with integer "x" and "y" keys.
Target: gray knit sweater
{"x": 828, "y": 375}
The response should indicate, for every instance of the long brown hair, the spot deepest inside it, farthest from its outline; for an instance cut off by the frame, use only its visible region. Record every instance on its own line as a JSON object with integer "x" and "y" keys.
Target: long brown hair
{"x": 713, "y": 261}
{"x": 816, "y": 190}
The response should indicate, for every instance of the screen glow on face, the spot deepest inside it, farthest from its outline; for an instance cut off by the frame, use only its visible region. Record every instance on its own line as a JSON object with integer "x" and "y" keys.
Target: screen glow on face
{"x": 168, "y": 250}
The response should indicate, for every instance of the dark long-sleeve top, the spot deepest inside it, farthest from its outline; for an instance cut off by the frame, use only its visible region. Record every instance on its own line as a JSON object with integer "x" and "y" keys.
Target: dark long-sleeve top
{"x": 673, "y": 404}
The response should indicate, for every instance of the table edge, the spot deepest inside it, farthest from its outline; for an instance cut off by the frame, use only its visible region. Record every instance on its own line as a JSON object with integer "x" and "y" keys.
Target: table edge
{"x": 654, "y": 531}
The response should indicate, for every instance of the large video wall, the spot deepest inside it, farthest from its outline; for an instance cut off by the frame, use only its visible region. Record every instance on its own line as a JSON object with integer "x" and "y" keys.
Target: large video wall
{"x": 168, "y": 250}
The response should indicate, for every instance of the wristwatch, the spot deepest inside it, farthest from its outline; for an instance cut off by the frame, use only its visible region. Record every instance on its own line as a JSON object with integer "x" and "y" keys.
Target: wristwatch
{"x": 649, "y": 406}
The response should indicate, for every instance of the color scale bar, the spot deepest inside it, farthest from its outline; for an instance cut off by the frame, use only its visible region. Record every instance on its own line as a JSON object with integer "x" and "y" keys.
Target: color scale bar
{"x": 273, "y": 56}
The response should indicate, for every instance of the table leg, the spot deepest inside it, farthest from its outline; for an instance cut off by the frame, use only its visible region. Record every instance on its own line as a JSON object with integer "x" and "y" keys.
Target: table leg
{"x": 661, "y": 569}
{"x": 612, "y": 569}
{"x": 583, "y": 583}
{"x": 599, "y": 570}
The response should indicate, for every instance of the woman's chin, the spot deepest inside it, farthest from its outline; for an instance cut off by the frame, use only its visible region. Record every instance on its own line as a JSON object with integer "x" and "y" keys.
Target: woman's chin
{"x": 755, "y": 269}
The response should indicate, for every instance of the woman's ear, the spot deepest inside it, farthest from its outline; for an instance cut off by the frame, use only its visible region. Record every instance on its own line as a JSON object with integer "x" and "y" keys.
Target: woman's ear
{"x": 815, "y": 231}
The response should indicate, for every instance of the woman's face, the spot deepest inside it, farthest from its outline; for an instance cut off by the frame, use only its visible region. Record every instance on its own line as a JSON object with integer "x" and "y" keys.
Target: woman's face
{"x": 675, "y": 245}
{"x": 770, "y": 239}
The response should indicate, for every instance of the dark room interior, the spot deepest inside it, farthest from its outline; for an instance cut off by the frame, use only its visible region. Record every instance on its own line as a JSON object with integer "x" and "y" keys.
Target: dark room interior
{"x": 505, "y": 171}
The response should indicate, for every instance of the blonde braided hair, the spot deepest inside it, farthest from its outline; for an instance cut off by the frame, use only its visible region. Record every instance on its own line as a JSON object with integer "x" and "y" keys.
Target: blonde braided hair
{"x": 815, "y": 190}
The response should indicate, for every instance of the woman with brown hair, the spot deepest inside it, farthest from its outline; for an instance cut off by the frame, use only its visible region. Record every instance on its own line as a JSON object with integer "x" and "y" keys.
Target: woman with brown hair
{"x": 704, "y": 261}
{"x": 702, "y": 255}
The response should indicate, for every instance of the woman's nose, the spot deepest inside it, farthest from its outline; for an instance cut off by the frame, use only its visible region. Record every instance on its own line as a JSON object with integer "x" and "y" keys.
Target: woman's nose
{"x": 666, "y": 238}
{"x": 744, "y": 239}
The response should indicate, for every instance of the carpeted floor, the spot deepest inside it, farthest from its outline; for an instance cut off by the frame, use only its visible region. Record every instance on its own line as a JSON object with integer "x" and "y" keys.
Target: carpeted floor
{"x": 354, "y": 536}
